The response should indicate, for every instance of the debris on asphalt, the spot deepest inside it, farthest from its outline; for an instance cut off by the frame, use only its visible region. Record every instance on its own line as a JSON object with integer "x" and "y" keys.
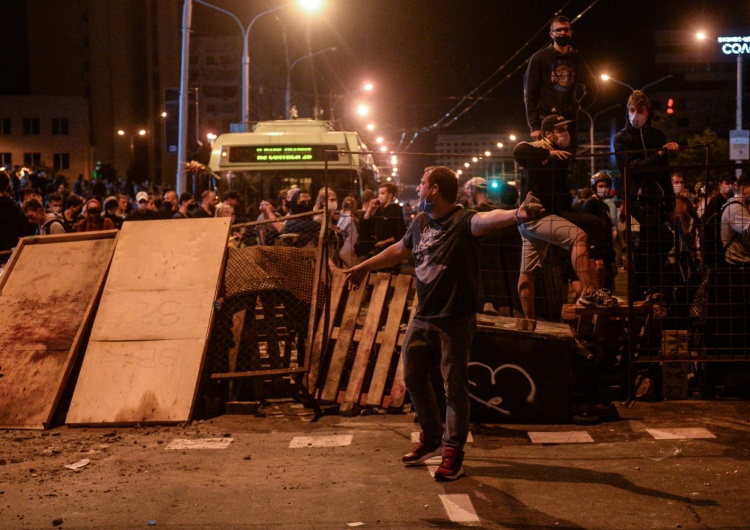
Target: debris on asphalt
{"x": 79, "y": 464}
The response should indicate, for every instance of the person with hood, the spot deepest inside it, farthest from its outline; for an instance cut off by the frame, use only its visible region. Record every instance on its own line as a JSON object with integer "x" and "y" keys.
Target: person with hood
{"x": 299, "y": 231}
{"x": 93, "y": 220}
{"x": 557, "y": 81}
{"x": 651, "y": 200}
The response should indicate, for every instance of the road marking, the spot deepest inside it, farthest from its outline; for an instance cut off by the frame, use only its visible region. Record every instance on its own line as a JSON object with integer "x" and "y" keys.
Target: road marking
{"x": 564, "y": 437}
{"x": 299, "y": 442}
{"x": 415, "y": 437}
{"x": 733, "y": 424}
{"x": 459, "y": 508}
{"x": 202, "y": 443}
{"x": 680, "y": 433}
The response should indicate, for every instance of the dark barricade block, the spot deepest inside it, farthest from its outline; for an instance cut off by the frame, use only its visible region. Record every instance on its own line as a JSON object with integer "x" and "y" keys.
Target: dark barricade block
{"x": 520, "y": 375}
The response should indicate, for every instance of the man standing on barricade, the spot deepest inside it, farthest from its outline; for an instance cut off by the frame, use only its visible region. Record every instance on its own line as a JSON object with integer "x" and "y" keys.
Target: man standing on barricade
{"x": 557, "y": 81}
{"x": 443, "y": 239}
{"x": 546, "y": 169}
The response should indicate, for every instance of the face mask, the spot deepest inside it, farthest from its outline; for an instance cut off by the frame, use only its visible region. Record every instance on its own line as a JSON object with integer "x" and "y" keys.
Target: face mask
{"x": 563, "y": 139}
{"x": 333, "y": 205}
{"x": 677, "y": 188}
{"x": 55, "y": 209}
{"x": 603, "y": 193}
{"x": 304, "y": 207}
{"x": 192, "y": 206}
{"x": 637, "y": 120}
{"x": 562, "y": 40}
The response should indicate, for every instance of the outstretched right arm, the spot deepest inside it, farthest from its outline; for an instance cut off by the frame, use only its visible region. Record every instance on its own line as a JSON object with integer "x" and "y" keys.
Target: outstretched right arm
{"x": 393, "y": 255}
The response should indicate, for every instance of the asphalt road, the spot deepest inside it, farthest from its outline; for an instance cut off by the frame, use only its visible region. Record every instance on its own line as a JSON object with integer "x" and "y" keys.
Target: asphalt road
{"x": 281, "y": 471}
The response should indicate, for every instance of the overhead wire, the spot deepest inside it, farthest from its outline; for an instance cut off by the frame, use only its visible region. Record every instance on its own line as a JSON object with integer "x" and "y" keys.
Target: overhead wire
{"x": 453, "y": 115}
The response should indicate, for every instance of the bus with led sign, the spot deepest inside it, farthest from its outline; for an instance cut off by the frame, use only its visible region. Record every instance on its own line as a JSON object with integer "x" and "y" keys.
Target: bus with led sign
{"x": 283, "y": 154}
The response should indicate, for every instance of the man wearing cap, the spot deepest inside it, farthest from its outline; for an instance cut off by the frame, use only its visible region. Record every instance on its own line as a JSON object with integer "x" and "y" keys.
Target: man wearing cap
{"x": 557, "y": 80}
{"x": 546, "y": 168}
{"x": 142, "y": 212}
{"x": 476, "y": 191}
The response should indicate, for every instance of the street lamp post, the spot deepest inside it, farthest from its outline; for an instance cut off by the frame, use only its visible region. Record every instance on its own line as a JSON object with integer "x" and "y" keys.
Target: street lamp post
{"x": 141, "y": 132}
{"x": 245, "y": 53}
{"x": 288, "y": 98}
{"x": 592, "y": 119}
{"x": 605, "y": 77}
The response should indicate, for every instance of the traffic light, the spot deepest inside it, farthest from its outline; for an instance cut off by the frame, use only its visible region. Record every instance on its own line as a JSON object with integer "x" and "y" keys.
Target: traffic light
{"x": 670, "y": 106}
{"x": 494, "y": 184}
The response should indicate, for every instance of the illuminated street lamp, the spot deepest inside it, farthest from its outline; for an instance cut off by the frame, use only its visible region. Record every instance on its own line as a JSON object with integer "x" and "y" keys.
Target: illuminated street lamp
{"x": 288, "y": 99}
{"x": 141, "y": 132}
{"x": 605, "y": 77}
{"x": 187, "y": 14}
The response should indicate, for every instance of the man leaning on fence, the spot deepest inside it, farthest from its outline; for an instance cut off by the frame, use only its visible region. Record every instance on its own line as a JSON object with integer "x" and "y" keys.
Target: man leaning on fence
{"x": 444, "y": 240}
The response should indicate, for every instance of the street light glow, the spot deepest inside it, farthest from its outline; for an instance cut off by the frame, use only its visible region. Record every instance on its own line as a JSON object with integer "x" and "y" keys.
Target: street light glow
{"x": 701, "y": 36}
{"x": 142, "y": 132}
{"x": 363, "y": 109}
{"x": 383, "y": 149}
{"x": 500, "y": 145}
{"x": 310, "y": 5}
{"x": 121, "y": 132}
{"x": 605, "y": 77}
{"x": 379, "y": 139}
{"x": 487, "y": 153}
{"x": 370, "y": 126}
{"x": 368, "y": 87}
{"x": 512, "y": 137}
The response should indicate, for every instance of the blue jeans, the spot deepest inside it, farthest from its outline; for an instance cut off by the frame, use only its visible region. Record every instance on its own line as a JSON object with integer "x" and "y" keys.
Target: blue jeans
{"x": 443, "y": 342}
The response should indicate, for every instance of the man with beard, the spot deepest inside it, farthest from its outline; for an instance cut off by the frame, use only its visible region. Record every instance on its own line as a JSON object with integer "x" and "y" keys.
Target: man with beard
{"x": 557, "y": 81}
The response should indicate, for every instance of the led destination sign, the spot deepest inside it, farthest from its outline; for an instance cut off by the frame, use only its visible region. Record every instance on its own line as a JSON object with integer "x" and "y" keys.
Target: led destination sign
{"x": 282, "y": 153}
{"x": 734, "y": 45}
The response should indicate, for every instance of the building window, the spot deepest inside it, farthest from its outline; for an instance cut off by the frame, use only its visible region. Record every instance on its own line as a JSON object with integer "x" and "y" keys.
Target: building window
{"x": 61, "y": 160}
{"x": 32, "y": 159}
{"x": 60, "y": 126}
{"x": 4, "y": 125}
{"x": 31, "y": 126}
{"x": 6, "y": 160}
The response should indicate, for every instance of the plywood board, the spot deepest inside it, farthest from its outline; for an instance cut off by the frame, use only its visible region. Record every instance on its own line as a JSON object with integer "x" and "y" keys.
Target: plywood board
{"x": 48, "y": 291}
{"x": 149, "y": 339}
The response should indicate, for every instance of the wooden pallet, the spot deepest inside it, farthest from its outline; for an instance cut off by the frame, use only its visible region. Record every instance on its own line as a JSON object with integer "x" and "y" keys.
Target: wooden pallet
{"x": 369, "y": 323}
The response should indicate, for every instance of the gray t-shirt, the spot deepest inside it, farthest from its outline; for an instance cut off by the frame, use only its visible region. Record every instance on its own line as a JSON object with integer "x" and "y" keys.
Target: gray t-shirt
{"x": 446, "y": 257}
{"x": 735, "y": 232}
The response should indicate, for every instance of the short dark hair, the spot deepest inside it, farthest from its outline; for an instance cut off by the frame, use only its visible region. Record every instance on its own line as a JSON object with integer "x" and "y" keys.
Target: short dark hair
{"x": 185, "y": 196}
{"x": 743, "y": 181}
{"x": 559, "y": 19}
{"x": 446, "y": 180}
{"x": 54, "y": 196}
{"x": 232, "y": 194}
{"x": 390, "y": 187}
{"x": 73, "y": 200}
{"x": 32, "y": 204}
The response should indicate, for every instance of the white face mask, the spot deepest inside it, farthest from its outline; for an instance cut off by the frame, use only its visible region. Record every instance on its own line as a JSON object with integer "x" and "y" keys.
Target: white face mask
{"x": 602, "y": 193}
{"x": 677, "y": 188}
{"x": 563, "y": 139}
{"x": 637, "y": 120}
{"x": 333, "y": 204}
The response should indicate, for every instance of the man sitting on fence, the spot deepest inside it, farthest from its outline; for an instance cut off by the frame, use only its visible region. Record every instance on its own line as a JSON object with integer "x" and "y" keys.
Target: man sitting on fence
{"x": 444, "y": 240}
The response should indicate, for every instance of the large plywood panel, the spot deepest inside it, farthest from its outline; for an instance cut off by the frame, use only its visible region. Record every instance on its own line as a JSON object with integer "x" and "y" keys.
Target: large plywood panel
{"x": 47, "y": 295}
{"x": 153, "y": 381}
{"x": 148, "y": 341}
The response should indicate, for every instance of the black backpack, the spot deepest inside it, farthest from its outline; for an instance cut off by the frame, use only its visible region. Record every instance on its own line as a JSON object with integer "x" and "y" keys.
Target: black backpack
{"x": 712, "y": 248}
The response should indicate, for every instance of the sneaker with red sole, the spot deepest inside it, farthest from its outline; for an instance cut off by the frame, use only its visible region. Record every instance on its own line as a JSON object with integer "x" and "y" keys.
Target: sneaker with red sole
{"x": 421, "y": 452}
{"x": 452, "y": 466}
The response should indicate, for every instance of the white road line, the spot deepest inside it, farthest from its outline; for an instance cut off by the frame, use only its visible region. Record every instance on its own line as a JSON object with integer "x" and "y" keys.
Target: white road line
{"x": 202, "y": 443}
{"x": 299, "y": 442}
{"x": 459, "y": 508}
{"x": 565, "y": 437}
{"x": 680, "y": 433}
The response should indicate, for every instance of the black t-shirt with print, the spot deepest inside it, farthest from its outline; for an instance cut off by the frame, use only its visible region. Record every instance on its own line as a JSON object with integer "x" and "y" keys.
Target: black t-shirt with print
{"x": 446, "y": 257}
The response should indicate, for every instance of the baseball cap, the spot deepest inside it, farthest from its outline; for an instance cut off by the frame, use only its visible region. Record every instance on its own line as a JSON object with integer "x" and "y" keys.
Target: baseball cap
{"x": 552, "y": 121}
{"x": 141, "y": 196}
{"x": 477, "y": 182}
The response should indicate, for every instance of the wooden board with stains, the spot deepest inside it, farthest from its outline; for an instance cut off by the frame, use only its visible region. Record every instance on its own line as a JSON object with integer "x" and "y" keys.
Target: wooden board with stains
{"x": 47, "y": 294}
{"x": 149, "y": 338}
